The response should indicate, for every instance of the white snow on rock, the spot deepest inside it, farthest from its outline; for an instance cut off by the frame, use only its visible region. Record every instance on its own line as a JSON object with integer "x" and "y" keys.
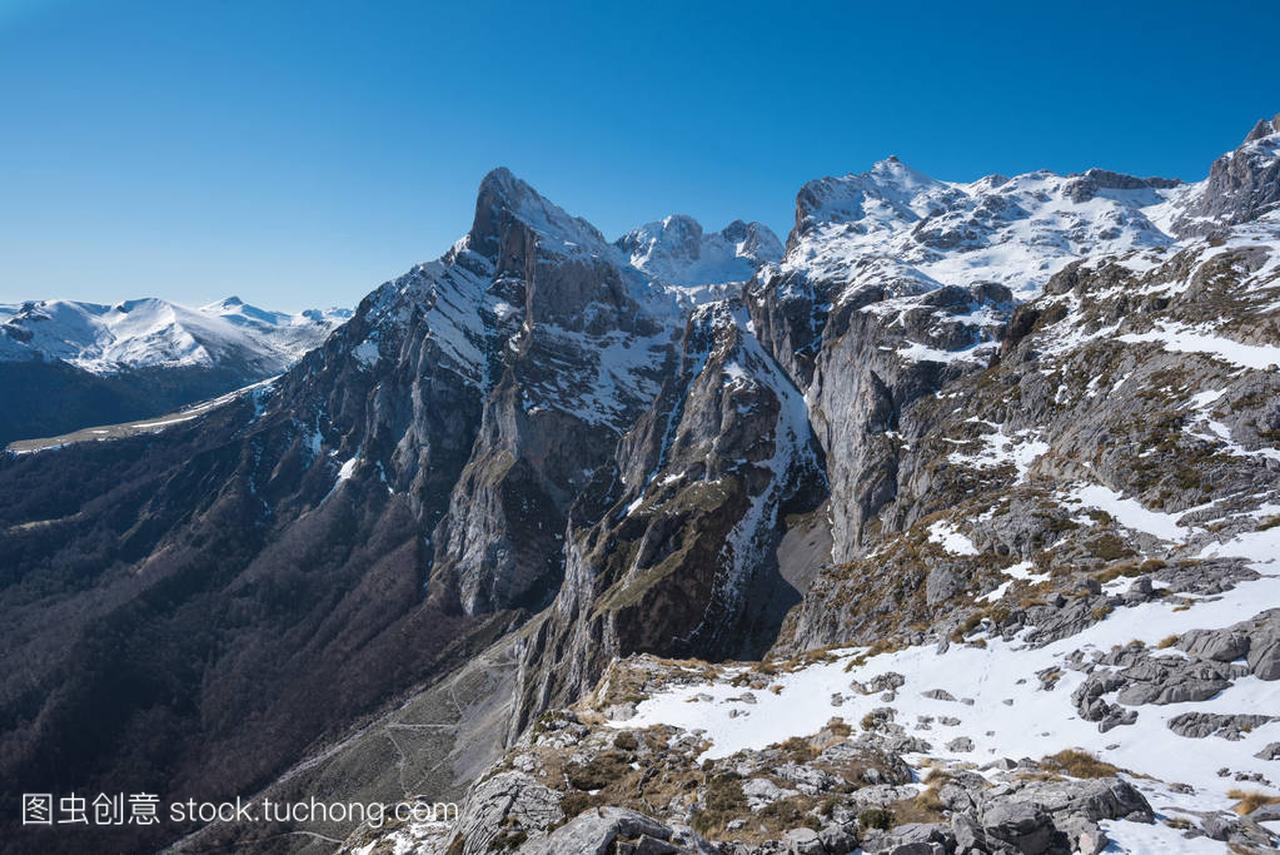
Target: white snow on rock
{"x": 1019, "y": 449}
{"x": 366, "y": 353}
{"x": 676, "y": 250}
{"x": 1023, "y": 571}
{"x": 1261, "y": 547}
{"x": 1141, "y": 838}
{"x": 917, "y": 352}
{"x": 1180, "y": 338}
{"x": 153, "y": 333}
{"x": 945, "y": 534}
{"x": 1036, "y": 723}
{"x": 1130, "y": 513}
{"x": 348, "y": 469}
{"x": 1204, "y": 427}
{"x": 1016, "y": 231}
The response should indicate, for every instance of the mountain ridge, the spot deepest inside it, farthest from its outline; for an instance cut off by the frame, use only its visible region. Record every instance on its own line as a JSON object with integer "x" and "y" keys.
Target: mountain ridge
{"x": 66, "y": 365}
{"x": 533, "y": 448}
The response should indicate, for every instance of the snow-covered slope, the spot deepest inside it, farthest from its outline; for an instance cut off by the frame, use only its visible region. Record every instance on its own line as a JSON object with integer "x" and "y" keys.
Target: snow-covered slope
{"x": 154, "y": 333}
{"x": 1020, "y": 231}
{"x": 675, "y": 249}
{"x": 1016, "y": 231}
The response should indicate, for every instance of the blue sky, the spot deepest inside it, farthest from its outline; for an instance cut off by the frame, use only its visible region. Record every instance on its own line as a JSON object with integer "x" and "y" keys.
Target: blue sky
{"x": 298, "y": 154}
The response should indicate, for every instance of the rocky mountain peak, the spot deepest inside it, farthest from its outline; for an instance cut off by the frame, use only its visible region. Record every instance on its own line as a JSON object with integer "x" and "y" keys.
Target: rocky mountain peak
{"x": 1242, "y": 185}
{"x": 676, "y": 249}
{"x": 755, "y": 240}
{"x": 504, "y": 200}
{"x": 1264, "y": 128}
{"x": 887, "y": 195}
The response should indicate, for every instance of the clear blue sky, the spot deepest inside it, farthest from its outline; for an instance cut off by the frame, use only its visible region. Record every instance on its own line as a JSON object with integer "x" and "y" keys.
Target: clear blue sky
{"x": 300, "y": 153}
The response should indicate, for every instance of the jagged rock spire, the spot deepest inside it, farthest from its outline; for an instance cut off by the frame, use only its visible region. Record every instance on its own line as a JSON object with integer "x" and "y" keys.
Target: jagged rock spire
{"x": 1264, "y": 128}
{"x": 504, "y": 199}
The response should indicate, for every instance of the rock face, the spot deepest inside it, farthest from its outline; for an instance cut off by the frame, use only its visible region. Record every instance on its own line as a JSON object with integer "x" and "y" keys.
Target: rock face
{"x": 700, "y": 491}
{"x": 876, "y": 354}
{"x": 949, "y": 422}
{"x": 584, "y": 342}
{"x": 1243, "y": 185}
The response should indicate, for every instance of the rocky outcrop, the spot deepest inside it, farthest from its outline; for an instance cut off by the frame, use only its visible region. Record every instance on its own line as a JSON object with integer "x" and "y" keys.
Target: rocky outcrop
{"x": 1140, "y": 676}
{"x": 678, "y": 558}
{"x": 616, "y": 830}
{"x": 1242, "y": 186}
{"x": 567, "y": 312}
{"x": 1091, "y": 182}
{"x": 576, "y": 784}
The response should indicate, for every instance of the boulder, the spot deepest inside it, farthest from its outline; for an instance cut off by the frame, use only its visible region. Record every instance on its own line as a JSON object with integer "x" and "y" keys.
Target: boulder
{"x": 1221, "y": 645}
{"x": 1198, "y": 725}
{"x": 803, "y": 841}
{"x": 594, "y": 832}
{"x": 1023, "y": 826}
{"x": 1264, "y": 654}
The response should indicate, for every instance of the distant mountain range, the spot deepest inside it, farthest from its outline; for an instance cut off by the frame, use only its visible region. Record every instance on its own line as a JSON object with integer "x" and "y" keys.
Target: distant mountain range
{"x": 65, "y": 365}
{"x": 950, "y": 525}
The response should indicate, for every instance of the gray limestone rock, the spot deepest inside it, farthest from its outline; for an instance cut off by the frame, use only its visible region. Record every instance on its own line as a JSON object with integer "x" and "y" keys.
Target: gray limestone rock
{"x": 595, "y": 832}
{"x": 1271, "y": 751}
{"x": 1022, "y": 826}
{"x": 1198, "y": 725}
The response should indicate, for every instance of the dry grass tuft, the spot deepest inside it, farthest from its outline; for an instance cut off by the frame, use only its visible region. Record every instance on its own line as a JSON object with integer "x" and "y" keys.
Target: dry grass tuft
{"x": 1247, "y": 801}
{"x": 1078, "y": 764}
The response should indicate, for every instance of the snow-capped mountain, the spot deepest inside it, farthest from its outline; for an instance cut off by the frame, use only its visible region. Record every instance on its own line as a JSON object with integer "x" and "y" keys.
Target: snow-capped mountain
{"x": 952, "y": 529}
{"x": 1020, "y": 231}
{"x": 154, "y": 333}
{"x": 66, "y": 365}
{"x": 1015, "y": 231}
{"x": 675, "y": 249}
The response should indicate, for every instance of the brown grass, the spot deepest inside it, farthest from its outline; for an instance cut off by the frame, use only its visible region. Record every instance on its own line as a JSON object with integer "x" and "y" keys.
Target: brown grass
{"x": 798, "y": 749}
{"x": 1247, "y": 801}
{"x": 839, "y": 727}
{"x": 1078, "y": 764}
{"x": 875, "y": 817}
{"x": 1167, "y": 642}
{"x": 1129, "y": 568}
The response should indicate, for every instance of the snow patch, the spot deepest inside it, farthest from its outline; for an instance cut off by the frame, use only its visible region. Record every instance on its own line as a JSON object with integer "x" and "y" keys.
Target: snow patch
{"x": 945, "y": 534}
